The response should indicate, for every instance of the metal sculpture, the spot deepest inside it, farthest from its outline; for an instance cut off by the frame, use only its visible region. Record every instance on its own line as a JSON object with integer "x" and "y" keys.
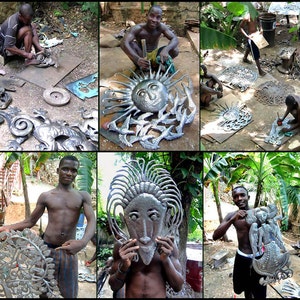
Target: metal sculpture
{"x": 265, "y": 237}
{"x": 5, "y": 98}
{"x": 150, "y": 108}
{"x": 276, "y": 135}
{"x": 27, "y": 271}
{"x": 138, "y": 185}
{"x": 232, "y": 118}
{"x": 52, "y": 135}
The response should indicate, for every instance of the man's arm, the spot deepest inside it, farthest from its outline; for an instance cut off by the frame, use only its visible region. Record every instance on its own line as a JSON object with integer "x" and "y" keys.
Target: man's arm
{"x": 173, "y": 42}
{"x": 224, "y": 226}
{"x": 169, "y": 257}
{"x": 31, "y": 220}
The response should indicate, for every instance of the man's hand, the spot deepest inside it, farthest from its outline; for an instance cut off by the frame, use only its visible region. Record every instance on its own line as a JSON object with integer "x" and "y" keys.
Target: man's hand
{"x": 127, "y": 252}
{"x": 164, "y": 55}
{"x": 72, "y": 246}
{"x": 165, "y": 246}
{"x": 143, "y": 63}
{"x": 30, "y": 55}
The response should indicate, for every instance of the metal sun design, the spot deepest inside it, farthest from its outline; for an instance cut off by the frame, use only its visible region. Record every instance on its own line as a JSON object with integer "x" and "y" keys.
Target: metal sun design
{"x": 149, "y": 107}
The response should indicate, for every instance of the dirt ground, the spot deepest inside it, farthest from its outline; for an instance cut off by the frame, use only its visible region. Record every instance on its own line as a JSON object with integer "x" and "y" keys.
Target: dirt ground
{"x": 84, "y": 46}
{"x": 187, "y": 62}
{"x": 217, "y": 282}
{"x": 263, "y": 115}
{"x": 15, "y": 212}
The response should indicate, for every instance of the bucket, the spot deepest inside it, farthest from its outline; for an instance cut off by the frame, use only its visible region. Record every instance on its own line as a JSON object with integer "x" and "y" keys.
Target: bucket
{"x": 268, "y": 24}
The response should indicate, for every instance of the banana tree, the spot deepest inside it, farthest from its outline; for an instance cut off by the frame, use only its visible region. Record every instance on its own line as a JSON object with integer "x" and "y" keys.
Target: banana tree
{"x": 227, "y": 19}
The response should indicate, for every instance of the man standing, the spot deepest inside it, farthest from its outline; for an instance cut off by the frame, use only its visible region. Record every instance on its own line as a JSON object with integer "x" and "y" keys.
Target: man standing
{"x": 63, "y": 204}
{"x": 151, "y": 31}
{"x": 248, "y": 28}
{"x": 18, "y": 34}
{"x": 245, "y": 278}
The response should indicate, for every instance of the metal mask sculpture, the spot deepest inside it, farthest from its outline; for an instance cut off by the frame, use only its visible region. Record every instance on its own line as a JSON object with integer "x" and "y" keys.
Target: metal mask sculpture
{"x": 265, "y": 238}
{"x": 150, "y": 204}
{"x": 147, "y": 110}
{"x": 26, "y": 268}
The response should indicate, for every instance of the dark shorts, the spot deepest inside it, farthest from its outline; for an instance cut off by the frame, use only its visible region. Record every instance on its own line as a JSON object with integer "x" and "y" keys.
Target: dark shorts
{"x": 245, "y": 279}
{"x": 254, "y": 49}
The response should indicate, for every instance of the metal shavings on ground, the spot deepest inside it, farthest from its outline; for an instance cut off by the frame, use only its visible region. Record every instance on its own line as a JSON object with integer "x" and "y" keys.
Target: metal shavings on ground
{"x": 27, "y": 270}
{"x": 273, "y": 92}
{"x": 275, "y": 136}
{"x": 233, "y": 117}
{"x": 238, "y": 76}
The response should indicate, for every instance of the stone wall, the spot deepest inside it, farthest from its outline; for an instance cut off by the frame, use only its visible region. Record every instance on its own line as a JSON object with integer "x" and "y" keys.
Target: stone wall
{"x": 174, "y": 13}
{"x": 7, "y": 9}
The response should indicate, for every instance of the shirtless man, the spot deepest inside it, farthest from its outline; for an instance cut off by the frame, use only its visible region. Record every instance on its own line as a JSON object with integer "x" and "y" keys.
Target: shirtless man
{"x": 292, "y": 107}
{"x": 245, "y": 279}
{"x": 249, "y": 27}
{"x": 63, "y": 204}
{"x": 151, "y": 31}
{"x": 208, "y": 89}
{"x": 18, "y": 34}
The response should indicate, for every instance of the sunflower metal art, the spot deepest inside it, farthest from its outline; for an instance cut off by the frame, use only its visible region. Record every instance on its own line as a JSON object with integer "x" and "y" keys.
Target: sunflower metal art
{"x": 149, "y": 107}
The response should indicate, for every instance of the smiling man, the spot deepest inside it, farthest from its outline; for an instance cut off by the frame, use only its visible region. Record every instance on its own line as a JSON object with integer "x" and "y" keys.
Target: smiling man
{"x": 145, "y": 257}
{"x": 151, "y": 32}
{"x": 64, "y": 205}
{"x": 245, "y": 279}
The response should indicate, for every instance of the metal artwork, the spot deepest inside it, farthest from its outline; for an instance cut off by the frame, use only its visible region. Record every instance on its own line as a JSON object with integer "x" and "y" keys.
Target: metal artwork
{"x": 291, "y": 288}
{"x": 144, "y": 191}
{"x": 52, "y": 135}
{"x": 27, "y": 270}
{"x": 275, "y": 136}
{"x": 233, "y": 118}
{"x": 273, "y": 92}
{"x": 5, "y": 98}
{"x": 272, "y": 260}
{"x": 150, "y": 108}
{"x": 238, "y": 76}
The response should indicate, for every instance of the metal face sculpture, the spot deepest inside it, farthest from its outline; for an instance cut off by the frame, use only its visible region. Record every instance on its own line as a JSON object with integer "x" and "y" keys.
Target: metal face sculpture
{"x": 265, "y": 238}
{"x": 151, "y": 107}
{"x": 27, "y": 271}
{"x": 150, "y": 204}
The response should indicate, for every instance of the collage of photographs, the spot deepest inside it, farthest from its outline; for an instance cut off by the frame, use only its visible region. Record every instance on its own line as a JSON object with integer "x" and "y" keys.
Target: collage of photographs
{"x": 138, "y": 157}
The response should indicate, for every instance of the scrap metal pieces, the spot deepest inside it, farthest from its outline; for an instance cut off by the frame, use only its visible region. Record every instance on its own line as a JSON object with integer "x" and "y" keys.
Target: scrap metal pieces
{"x": 5, "y": 98}
{"x": 238, "y": 76}
{"x": 52, "y": 135}
{"x": 233, "y": 118}
{"x": 56, "y": 96}
{"x": 27, "y": 270}
{"x": 149, "y": 107}
{"x": 275, "y": 136}
{"x": 273, "y": 92}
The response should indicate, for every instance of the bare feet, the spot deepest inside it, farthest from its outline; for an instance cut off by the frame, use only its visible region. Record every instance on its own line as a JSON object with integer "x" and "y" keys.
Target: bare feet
{"x": 208, "y": 108}
{"x": 262, "y": 73}
{"x": 247, "y": 61}
{"x": 32, "y": 62}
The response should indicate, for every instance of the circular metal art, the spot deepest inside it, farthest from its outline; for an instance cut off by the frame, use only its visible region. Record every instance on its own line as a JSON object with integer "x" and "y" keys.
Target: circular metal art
{"x": 233, "y": 118}
{"x": 148, "y": 108}
{"x": 27, "y": 270}
{"x": 238, "y": 76}
{"x": 273, "y": 92}
{"x": 56, "y": 96}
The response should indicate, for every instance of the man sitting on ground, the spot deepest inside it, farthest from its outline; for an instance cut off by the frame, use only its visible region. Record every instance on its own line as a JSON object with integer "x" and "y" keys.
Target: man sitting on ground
{"x": 18, "y": 34}
{"x": 208, "y": 89}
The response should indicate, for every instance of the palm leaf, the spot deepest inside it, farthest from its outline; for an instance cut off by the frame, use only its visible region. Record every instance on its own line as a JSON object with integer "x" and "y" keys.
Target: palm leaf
{"x": 84, "y": 179}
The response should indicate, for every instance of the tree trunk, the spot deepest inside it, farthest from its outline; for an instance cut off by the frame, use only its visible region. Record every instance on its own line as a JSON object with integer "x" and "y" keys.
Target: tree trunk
{"x": 25, "y": 189}
{"x": 258, "y": 194}
{"x": 215, "y": 188}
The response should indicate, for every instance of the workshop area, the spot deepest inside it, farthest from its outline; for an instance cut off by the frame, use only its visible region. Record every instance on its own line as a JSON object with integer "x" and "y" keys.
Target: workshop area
{"x": 53, "y": 105}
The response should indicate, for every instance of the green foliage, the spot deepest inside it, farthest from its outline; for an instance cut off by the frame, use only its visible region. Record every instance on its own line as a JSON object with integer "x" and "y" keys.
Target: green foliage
{"x": 196, "y": 235}
{"x": 57, "y": 13}
{"x": 84, "y": 180}
{"x": 103, "y": 254}
{"x": 92, "y": 7}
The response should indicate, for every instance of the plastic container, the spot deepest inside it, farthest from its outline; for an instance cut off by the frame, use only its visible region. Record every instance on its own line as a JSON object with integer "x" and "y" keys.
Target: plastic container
{"x": 268, "y": 24}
